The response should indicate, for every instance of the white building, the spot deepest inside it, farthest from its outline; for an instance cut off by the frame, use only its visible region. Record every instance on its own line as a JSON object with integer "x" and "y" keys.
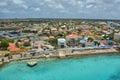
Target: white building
{"x": 117, "y": 36}
{"x": 61, "y": 42}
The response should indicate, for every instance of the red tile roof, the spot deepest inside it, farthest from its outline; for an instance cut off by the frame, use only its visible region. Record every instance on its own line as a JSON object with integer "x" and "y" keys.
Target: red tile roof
{"x": 51, "y": 37}
{"x": 82, "y": 27}
{"x": 73, "y": 36}
{"x": 26, "y": 40}
{"x": 12, "y": 47}
{"x": 20, "y": 43}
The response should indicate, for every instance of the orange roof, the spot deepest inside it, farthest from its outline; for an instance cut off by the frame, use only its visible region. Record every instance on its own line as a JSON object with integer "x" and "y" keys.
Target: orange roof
{"x": 73, "y": 36}
{"x": 82, "y": 27}
{"x": 12, "y": 47}
{"x": 26, "y": 40}
{"x": 20, "y": 43}
{"x": 51, "y": 37}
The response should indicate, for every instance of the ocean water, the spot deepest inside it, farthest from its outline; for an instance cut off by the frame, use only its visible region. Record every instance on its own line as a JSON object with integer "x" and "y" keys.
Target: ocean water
{"x": 104, "y": 67}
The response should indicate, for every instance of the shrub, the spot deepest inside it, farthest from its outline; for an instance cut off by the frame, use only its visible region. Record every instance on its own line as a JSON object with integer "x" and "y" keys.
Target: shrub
{"x": 27, "y": 44}
{"x": 7, "y": 54}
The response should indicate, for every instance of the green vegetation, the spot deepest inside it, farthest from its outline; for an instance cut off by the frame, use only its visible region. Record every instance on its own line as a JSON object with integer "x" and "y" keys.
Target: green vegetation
{"x": 26, "y": 31}
{"x": 4, "y": 44}
{"x": 7, "y": 54}
{"x": 17, "y": 44}
{"x": 1, "y": 38}
{"x": 53, "y": 42}
{"x": 96, "y": 43}
{"x": 26, "y": 44}
{"x": 90, "y": 39}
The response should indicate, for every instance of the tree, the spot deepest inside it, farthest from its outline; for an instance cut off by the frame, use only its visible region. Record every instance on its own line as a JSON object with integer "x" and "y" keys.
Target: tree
{"x": 26, "y": 44}
{"x": 96, "y": 43}
{"x": 61, "y": 35}
{"x": 10, "y": 40}
{"x": 90, "y": 39}
{"x": 4, "y": 44}
{"x": 17, "y": 44}
{"x": 53, "y": 42}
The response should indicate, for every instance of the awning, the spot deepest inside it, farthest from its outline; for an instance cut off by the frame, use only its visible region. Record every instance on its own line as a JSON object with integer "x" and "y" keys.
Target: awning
{"x": 110, "y": 41}
{"x": 83, "y": 41}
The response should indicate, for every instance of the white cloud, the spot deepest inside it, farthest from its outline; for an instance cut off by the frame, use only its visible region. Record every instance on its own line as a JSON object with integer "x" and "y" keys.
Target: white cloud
{"x": 6, "y": 11}
{"x": 36, "y": 9}
{"x": 117, "y": 1}
{"x": 48, "y": 0}
{"x": 80, "y": 3}
{"x": 89, "y": 6}
{"x": 3, "y": 3}
{"x": 42, "y": 3}
{"x": 64, "y": 11}
{"x": 62, "y": 7}
{"x": 91, "y": 1}
{"x": 72, "y": 2}
{"x": 54, "y": 4}
{"x": 20, "y": 4}
{"x": 24, "y": 6}
{"x": 59, "y": 6}
{"x": 18, "y": 1}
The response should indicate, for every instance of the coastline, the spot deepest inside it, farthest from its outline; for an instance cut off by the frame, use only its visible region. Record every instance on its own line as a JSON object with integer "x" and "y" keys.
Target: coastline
{"x": 67, "y": 55}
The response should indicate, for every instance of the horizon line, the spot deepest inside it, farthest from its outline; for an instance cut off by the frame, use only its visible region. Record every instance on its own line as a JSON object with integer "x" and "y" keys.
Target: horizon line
{"x": 61, "y": 19}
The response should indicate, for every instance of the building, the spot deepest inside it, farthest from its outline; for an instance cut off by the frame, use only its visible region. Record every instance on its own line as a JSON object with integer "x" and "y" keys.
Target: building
{"x": 13, "y": 47}
{"x": 8, "y": 29}
{"x": 61, "y": 43}
{"x": 117, "y": 36}
{"x": 72, "y": 39}
{"x": 113, "y": 25}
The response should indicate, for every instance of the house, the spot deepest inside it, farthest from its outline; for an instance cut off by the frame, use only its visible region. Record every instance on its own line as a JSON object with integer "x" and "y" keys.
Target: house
{"x": 20, "y": 43}
{"x": 89, "y": 44}
{"x": 44, "y": 38}
{"x": 49, "y": 47}
{"x": 117, "y": 36}
{"x": 104, "y": 42}
{"x": 26, "y": 40}
{"x": 54, "y": 29}
{"x": 72, "y": 36}
{"x": 72, "y": 39}
{"x": 13, "y": 47}
{"x": 61, "y": 42}
{"x": 51, "y": 37}
{"x": 38, "y": 45}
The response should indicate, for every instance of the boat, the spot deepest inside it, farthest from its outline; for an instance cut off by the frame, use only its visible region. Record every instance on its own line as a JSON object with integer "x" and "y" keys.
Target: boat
{"x": 31, "y": 64}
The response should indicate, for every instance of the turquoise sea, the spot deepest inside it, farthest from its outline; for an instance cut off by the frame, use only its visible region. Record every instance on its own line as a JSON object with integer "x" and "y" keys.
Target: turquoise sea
{"x": 104, "y": 67}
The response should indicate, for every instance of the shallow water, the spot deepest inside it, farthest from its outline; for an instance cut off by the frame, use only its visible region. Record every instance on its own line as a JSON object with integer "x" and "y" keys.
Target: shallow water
{"x": 104, "y": 67}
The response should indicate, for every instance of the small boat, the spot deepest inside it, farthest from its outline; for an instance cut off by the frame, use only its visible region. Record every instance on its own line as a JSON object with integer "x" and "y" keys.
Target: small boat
{"x": 31, "y": 64}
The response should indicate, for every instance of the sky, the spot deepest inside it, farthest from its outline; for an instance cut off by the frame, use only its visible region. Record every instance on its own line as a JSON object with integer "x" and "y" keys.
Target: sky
{"x": 88, "y": 9}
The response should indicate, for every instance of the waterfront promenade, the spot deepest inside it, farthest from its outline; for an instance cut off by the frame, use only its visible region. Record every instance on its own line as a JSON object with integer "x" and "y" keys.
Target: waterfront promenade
{"x": 60, "y": 53}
